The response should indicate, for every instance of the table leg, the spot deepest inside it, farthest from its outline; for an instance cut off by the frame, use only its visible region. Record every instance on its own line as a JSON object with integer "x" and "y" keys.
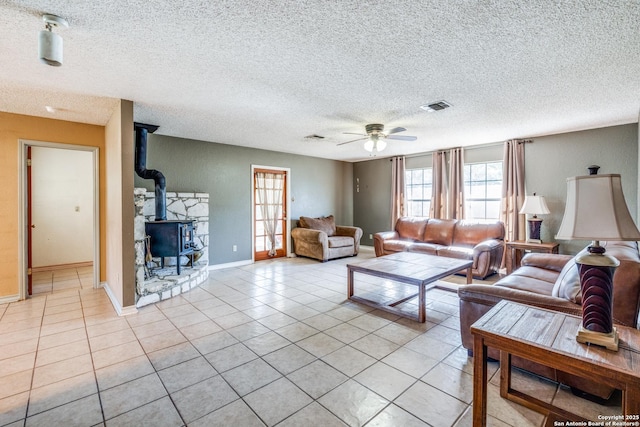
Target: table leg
{"x": 479, "y": 382}
{"x": 469, "y": 276}
{"x": 505, "y": 374}
{"x": 514, "y": 260}
{"x": 631, "y": 401}
{"x": 422, "y": 315}
{"x": 350, "y": 283}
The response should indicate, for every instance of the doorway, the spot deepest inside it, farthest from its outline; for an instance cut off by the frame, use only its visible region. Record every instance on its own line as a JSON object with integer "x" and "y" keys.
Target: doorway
{"x": 269, "y": 212}
{"x": 59, "y": 217}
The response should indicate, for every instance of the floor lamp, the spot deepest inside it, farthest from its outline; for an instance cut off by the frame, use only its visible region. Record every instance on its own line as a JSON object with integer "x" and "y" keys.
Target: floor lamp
{"x": 596, "y": 210}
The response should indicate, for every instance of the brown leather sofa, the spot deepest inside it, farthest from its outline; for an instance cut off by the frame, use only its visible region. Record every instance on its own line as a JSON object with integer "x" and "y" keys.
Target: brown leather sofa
{"x": 539, "y": 282}
{"x": 481, "y": 242}
{"x": 322, "y": 239}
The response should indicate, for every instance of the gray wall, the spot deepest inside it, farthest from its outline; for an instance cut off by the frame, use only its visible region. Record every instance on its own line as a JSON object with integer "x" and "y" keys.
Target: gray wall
{"x": 318, "y": 187}
{"x": 550, "y": 160}
{"x": 372, "y": 197}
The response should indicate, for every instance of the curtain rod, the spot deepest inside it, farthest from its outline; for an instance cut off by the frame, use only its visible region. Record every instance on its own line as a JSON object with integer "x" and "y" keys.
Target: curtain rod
{"x": 470, "y": 147}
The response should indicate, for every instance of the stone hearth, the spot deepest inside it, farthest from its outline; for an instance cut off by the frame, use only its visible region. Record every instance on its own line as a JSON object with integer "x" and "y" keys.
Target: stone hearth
{"x": 155, "y": 284}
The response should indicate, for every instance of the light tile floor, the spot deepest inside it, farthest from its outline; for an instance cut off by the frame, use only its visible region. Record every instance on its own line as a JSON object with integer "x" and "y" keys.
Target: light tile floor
{"x": 273, "y": 343}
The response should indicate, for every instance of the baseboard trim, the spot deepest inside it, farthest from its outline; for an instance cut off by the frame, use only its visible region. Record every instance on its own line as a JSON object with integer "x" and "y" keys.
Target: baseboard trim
{"x": 9, "y": 299}
{"x": 122, "y": 311}
{"x": 62, "y": 266}
{"x": 230, "y": 265}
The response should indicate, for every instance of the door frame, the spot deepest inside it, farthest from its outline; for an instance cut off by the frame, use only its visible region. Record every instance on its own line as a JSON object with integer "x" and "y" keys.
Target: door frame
{"x": 287, "y": 200}
{"x": 23, "y": 223}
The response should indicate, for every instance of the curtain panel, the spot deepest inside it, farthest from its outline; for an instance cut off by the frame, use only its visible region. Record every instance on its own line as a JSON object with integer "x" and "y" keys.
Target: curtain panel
{"x": 513, "y": 192}
{"x": 398, "y": 202}
{"x": 439, "y": 186}
{"x": 455, "y": 196}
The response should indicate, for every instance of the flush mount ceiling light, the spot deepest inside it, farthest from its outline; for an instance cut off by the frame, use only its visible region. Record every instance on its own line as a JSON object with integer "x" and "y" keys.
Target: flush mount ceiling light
{"x": 49, "y": 43}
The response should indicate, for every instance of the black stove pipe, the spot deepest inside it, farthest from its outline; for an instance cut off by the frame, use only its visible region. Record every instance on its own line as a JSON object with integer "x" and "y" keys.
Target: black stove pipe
{"x": 142, "y": 131}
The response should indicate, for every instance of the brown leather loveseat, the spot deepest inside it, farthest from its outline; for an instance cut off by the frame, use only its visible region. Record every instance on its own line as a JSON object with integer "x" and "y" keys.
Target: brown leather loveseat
{"x": 481, "y": 242}
{"x": 551, "y": 281}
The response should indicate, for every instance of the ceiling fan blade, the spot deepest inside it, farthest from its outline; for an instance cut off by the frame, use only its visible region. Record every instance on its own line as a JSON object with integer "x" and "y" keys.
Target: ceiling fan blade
{"x": 354, "y": 133}
{"x": 396, "y": 130}
{"x": 353, "y": 140}
{"x": 402, "y": 137}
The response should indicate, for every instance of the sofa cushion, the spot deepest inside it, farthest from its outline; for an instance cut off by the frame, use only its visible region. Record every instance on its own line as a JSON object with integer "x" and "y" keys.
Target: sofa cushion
{"x": 340, "y": 241}
{"x": 326, "y": 224}
{"x": 439, "y": 231}
{"x": 456, "y": 252}
{"x": 470, "y": 233}
{"x": 411, "y": 228}
{"x": 397, "y": 245}
{"x": 530, "y": 279}
{"x": 567, "y": 284}
{"x": 425, "y": 248}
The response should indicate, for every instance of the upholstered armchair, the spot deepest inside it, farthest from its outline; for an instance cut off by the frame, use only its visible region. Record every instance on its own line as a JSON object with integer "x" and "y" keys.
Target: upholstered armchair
{"x": 321, "y": 239}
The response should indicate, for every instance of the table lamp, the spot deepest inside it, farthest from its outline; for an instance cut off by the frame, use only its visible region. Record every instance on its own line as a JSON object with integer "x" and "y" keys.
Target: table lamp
{"x": 596, "y": 210}
{"x": 534, "y": 205}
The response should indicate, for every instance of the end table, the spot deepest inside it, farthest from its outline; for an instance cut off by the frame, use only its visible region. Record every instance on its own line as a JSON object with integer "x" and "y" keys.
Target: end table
{"x": 516, "y": 249}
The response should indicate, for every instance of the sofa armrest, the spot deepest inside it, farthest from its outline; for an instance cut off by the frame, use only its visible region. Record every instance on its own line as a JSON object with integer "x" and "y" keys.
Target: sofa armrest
{"x": 547, "y": 261}
{"x": 355, "y": 232}
{"x": 476, "y": 300}
{"x": 309, "y": 235}
{"x": 491, "y": 295}
{"x": 487, "y": 257}
{"x": 380, "y": 237}
{"x": 345, "y": 230}
{"x": 310, "y": 243}
{"x": 488, "y": 245}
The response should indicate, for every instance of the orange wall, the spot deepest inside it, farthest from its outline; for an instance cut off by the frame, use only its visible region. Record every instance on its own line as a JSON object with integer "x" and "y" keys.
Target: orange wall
{"x": 12, "y": 128}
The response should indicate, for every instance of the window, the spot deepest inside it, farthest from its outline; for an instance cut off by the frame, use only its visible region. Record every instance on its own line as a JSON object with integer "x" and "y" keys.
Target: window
{"x": 483, "y": 190}
{"x": 417, "y": 184}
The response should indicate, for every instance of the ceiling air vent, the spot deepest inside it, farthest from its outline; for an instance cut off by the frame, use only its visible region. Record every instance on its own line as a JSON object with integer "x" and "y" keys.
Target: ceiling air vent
{"x": 435, "y": 106}
{"x": 314, "y": 136}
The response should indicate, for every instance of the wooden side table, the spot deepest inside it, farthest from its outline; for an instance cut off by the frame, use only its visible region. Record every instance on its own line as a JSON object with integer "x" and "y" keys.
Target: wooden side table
{"x": 516, "y": 249}
{"x": 548, "y": 338}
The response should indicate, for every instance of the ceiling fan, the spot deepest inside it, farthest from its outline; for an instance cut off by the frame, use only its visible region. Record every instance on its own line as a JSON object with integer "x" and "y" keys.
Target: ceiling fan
{"x": 376, "y": 136}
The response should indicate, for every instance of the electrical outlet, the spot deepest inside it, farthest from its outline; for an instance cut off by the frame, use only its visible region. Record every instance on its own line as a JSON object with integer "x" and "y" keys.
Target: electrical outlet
{"x": 235, "y": 248}
{"x": 370, "y": 236}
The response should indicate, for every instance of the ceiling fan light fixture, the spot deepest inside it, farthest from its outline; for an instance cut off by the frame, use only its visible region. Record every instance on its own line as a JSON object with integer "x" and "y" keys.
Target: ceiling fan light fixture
{"x": 369, "y": 145}
{"x": 374, "y": 143}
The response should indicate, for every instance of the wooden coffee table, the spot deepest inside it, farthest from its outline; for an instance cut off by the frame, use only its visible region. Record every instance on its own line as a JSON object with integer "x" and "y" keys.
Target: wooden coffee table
{"x": 414, "y": 269}
{"x": 549, "y": 338}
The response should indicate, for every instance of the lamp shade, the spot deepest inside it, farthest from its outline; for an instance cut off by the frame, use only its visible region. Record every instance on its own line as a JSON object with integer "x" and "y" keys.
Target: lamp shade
{"x": 534, "y": 205}
{"x": 596, "y": 210}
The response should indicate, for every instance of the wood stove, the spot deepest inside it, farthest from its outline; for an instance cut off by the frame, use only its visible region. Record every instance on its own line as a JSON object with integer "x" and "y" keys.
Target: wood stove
{"x": 172, "y": 238}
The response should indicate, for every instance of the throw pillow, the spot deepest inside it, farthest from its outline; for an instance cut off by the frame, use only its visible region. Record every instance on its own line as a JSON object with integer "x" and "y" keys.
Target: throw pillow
{"x": 326, "y": 224}
{"x": 567, "y": 284}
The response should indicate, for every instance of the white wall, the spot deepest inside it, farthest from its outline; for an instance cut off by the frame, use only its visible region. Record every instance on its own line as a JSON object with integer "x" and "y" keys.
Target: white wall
{"x": 62, "y": 206}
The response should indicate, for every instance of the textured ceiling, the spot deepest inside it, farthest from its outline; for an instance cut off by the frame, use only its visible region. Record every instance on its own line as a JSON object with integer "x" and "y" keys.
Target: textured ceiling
{"x": 267, "y": 73}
